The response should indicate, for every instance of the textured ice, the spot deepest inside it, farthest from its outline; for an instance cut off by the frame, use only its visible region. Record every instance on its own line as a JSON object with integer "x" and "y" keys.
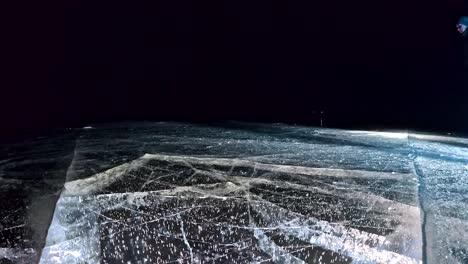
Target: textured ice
{"x": 234, "y": 193}
{"x": 161, "y": 208}
{"x": 31, "y": 178}
{"x": 442, "y": 166}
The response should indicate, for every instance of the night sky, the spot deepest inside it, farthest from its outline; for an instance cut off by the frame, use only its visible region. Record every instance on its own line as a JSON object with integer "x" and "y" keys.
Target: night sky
{"x": 367, "y": 64}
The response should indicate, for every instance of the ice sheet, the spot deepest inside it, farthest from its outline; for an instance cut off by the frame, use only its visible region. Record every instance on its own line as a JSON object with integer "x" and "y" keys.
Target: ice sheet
{"x": 217, "y": 210}
{"x": 234, "y": 193}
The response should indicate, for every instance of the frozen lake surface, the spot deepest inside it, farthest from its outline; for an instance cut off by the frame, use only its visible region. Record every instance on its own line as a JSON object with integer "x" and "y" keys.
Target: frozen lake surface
{"x": 233, "y": 193}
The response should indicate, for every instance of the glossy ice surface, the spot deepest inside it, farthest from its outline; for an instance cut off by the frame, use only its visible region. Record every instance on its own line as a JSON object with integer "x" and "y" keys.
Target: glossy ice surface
{"x": 234, "y": 193}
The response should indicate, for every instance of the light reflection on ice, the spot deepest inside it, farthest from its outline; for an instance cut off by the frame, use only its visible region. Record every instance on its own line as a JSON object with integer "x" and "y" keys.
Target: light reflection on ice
{"x": 396, "y": 135}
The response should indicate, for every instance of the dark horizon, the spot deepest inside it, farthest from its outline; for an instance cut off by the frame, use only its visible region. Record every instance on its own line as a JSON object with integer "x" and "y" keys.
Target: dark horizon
{"x": 386, "y": 65}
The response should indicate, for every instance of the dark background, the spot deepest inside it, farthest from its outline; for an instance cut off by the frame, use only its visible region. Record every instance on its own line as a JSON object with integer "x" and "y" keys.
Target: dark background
{"x": 367, "y": 64}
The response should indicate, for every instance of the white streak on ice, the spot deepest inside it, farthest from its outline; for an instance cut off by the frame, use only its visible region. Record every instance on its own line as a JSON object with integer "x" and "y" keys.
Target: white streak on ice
{"x": 184, "y": 236}
{"x": 277, "y": 254}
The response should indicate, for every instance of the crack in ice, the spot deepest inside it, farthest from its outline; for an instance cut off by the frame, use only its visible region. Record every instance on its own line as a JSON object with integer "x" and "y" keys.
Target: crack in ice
{"x": 182, "y": 229}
